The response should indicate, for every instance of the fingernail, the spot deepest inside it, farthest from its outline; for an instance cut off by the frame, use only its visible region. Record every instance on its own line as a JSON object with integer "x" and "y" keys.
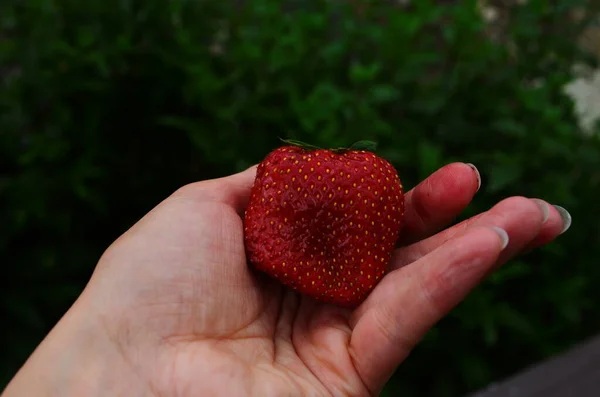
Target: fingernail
{"x": 543, "y": 206}
{"x": 503, "y": 235}
{"x": 477, "y": 174}
{"x": 565, "y": 216}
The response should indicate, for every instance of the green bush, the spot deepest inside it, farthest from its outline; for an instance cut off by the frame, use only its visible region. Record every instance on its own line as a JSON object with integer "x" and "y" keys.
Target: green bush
{"x": 108, "y": 106}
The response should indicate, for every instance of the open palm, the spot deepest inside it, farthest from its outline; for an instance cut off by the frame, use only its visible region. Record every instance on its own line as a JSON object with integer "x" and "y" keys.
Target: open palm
{"x": 186, "y": 316}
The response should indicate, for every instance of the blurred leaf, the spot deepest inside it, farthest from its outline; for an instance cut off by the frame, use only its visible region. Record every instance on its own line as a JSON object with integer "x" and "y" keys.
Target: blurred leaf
{"x": 429, "y": 158}
{"x": 360, "y": 73}
{"x": 514, "y": 320}
{"x": 25, "y": 311}
{"x": 384, "y": 93}
{"x": 502, "y": 175}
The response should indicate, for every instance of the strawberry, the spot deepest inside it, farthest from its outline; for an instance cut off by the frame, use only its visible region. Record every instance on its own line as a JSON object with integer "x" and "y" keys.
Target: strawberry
{"x": 324, "y": 222}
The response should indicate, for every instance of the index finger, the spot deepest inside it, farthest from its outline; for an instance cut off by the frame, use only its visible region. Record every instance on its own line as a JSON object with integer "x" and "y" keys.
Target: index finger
{"x": 437, "y": 200}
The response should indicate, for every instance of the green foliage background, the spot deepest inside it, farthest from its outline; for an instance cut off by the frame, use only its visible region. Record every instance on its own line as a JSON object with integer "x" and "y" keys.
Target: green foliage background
{"x": 108, "y": 106}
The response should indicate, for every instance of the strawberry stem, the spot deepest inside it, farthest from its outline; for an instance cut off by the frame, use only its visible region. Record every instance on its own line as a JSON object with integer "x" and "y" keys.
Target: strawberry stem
{"x": 360, "y": 145}
{"x": 364, "y": 145}
{"x": 303, "y": 145}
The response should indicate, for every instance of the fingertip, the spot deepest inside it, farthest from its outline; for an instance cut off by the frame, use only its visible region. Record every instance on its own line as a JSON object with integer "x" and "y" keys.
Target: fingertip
{"x": 557, "y": 222}
{"x": 233, "y": 190}
{"x": 434, "y": 202}
{"x": 484, "y": 241}
{"x": 477, "y": 175}
{"x": 565, "y": 217}
{"x": 459, "y": 179}
{"x": 503, "y": 236}
{"x": 454, "y": 185}
{"x": 243, "y": 178}
{"x": 530, "y": 211}
{"x": 544, "y": 208}
{"x": 248, "y": 172}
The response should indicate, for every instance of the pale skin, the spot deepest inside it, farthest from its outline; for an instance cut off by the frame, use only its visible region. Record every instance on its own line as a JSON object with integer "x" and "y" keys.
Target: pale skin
{"x": 174, "y": 310}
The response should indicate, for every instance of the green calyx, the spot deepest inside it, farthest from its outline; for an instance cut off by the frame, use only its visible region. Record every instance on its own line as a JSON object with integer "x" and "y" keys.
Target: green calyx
{"x": 360, "y": 145}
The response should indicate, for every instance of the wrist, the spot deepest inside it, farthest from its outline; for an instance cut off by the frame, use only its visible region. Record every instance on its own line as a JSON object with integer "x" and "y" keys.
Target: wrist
{"x": 76, "y": 358}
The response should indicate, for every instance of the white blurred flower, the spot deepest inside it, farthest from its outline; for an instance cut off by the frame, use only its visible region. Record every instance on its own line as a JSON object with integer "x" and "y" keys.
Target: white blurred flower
{"x": 585, "y": 93}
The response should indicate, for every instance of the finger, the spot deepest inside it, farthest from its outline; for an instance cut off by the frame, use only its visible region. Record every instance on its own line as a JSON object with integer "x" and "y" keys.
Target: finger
{"x": 558, "y": 222}
{"x": 436, "y": 201}
{"x": 520, "y": 216}
{"x": 233, "y": 190}
{"x": 409, "y": 301}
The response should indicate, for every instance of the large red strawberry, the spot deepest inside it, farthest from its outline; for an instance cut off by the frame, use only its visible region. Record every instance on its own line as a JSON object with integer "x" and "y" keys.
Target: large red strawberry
{"x": 324, "y": 222}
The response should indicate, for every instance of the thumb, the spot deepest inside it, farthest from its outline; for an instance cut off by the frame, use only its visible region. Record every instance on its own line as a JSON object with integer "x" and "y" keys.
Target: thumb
{"x": 233, "y": 190}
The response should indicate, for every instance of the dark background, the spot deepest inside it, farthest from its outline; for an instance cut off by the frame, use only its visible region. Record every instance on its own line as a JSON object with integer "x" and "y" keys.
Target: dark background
{"x": 107, "y": 107}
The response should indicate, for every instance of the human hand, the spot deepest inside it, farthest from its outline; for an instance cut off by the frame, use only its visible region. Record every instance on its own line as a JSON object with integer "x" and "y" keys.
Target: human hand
{"x": 173, "y": 309}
